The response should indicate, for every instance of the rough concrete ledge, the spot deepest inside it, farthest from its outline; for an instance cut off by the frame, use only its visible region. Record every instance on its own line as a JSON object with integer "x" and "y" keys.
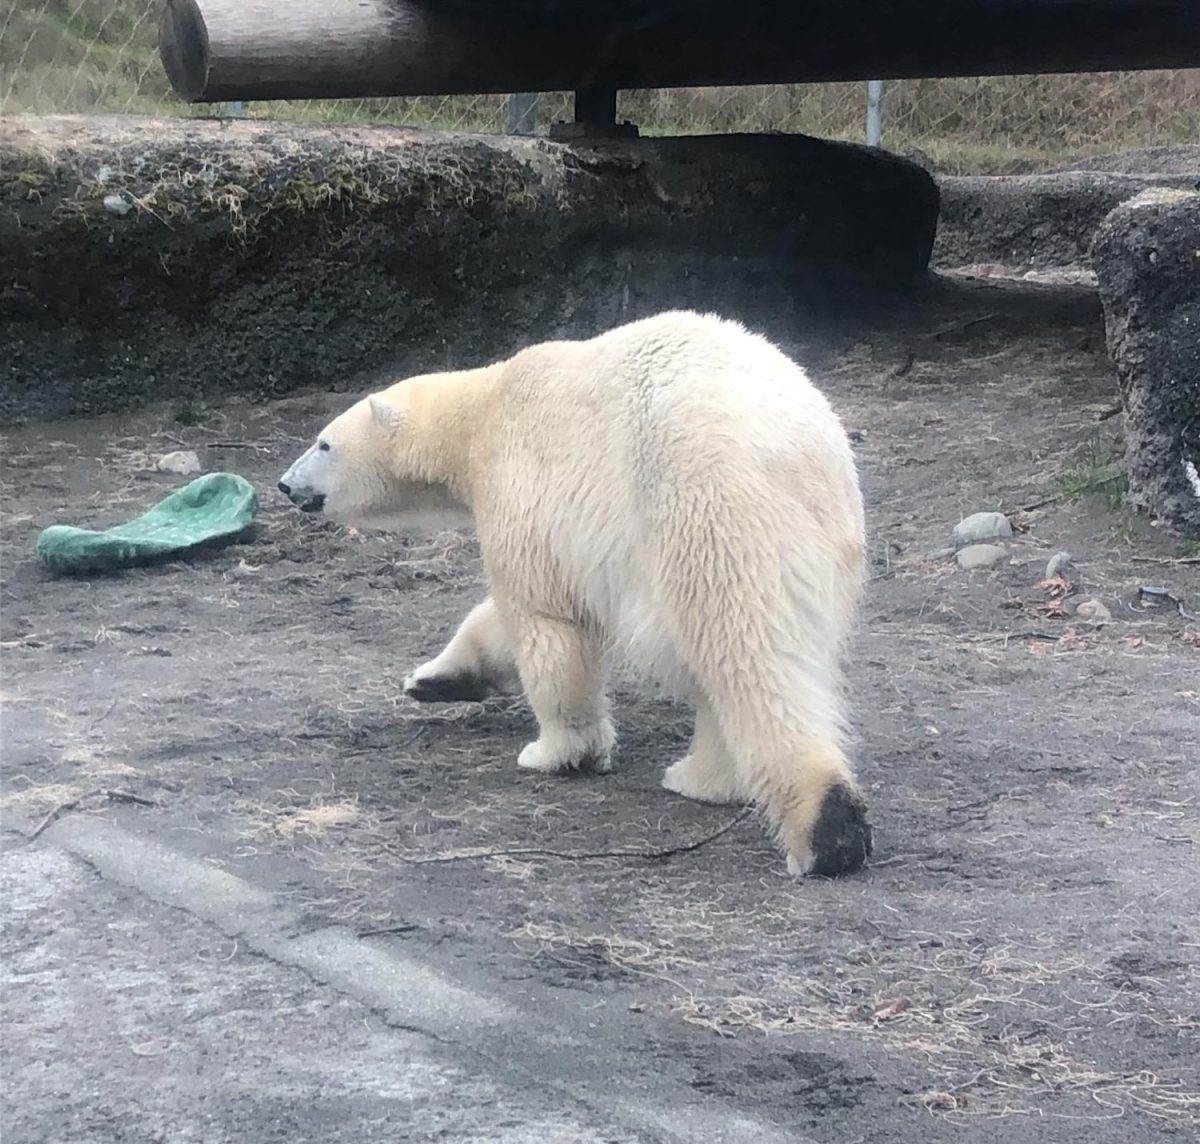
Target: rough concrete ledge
{"x": 1043, "y": 221}
{"x": 149, "y": 259}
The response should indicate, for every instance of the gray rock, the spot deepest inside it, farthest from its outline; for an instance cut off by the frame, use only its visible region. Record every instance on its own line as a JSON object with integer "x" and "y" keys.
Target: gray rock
{"x": 1094, "y": 612}
{"x": 117, "y": 205}
{"x": 981, "y": 556}
{"x": 1147, "y": 260}
{"x": 1058, "y": 564}
{"x": 183, "y": 463}
{"x": 981, "y": 526}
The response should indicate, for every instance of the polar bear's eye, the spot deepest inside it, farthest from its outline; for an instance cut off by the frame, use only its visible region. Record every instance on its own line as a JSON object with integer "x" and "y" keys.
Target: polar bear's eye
{"x": 323, "y": 446}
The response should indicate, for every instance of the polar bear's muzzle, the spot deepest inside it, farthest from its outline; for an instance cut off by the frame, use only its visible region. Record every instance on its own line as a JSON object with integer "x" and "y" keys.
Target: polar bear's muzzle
{"x": 304, "y": 499}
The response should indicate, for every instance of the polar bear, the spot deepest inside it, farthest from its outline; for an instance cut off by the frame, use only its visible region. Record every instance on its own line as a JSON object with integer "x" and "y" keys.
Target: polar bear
{"x": 674, "y": 493}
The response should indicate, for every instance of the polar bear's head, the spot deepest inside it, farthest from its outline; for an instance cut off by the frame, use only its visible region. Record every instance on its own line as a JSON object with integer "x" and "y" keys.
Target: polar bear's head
{"x": 364, "y": 470}
{"x": 346, "y": 472}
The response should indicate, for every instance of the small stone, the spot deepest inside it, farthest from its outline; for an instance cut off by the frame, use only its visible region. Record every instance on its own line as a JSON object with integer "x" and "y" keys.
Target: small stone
{"x": 182, "y": 462}
{"x": 1093, "y": 611}
{"x": 981, "y": 526}
{"x": 980, "y": 556}
{"x": 1057, "y": 565}
{"x": 1151, "y": 596}
{"x": 117, "y": 205}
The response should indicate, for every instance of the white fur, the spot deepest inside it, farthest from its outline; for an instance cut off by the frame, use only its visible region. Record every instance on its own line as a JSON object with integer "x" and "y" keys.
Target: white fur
{"x": 1193, "y": 478}
{"x": 675, "y": 493}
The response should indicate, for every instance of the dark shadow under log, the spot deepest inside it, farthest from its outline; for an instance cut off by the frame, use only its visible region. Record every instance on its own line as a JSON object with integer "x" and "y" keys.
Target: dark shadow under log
{"x": 308, "y": 49}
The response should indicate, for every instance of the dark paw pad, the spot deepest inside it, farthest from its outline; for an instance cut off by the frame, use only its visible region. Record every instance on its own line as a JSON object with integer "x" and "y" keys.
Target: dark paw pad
{"x": 449, "y": 689}
{"x": 594, "y": 764}
{"x": 842, "y": 840}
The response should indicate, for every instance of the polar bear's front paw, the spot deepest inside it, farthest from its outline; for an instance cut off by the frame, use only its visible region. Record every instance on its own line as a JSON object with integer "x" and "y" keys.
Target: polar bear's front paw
{"x": 428, "y": 685}
{"x": 704, "y": 782}
{"x": 566, "y": 753}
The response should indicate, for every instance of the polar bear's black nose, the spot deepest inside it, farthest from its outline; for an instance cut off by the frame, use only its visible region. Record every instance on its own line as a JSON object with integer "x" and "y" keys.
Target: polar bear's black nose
{"x": 285, "y": 488}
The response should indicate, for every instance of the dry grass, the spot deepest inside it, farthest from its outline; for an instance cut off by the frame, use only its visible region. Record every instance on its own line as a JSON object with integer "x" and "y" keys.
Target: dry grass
{"x": 990, "y": 125}
{"x": 625, "y": 954}
{"x": 312, "y": 821}
{"x": 95, "y": 765}
{"x": 999, "y": 1030}
{"x": 33, "y": 799}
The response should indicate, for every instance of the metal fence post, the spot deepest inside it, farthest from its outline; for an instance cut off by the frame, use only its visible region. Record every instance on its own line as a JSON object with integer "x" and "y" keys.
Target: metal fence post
{"x": 874, "y": 112}
{"x": 520, "y": 113}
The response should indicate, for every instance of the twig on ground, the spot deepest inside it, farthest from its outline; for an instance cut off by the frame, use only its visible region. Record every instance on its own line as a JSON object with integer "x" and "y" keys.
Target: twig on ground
{"x": 577, "y": 855}
{"x": 109, "y": 793}
{"x": 1004, "y": 637}
{"x": 1108, "y": 475}
{"x": 62, "y": 808}
{"x": 125, "y": 796}
{"x": 100, "y": 718}
{"x": 258, "y": 446}
{"x": 1165, "y": 559}
{"x": 407, "y": 927}
{"x": 958, "y": 327}
{"x": 1041, "y": 503}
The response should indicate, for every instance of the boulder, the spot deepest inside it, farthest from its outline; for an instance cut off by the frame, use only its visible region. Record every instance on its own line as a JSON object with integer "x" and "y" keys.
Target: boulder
{"x": 1147, "y": 260}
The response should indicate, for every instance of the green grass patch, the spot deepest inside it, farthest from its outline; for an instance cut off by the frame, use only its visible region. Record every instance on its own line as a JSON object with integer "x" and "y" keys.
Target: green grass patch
{"x": 1097, "y": 468}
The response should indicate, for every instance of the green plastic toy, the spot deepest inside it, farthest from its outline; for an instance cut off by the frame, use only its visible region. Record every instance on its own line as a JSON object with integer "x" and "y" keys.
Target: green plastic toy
{"x": 210, "y": 511}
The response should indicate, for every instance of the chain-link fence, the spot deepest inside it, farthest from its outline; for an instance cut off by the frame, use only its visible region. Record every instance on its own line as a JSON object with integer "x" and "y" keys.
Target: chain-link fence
{"x": 93, "y": 56}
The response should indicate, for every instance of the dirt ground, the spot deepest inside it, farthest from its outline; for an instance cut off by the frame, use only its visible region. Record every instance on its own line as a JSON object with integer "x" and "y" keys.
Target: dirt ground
{"x": 1019, "y": 962}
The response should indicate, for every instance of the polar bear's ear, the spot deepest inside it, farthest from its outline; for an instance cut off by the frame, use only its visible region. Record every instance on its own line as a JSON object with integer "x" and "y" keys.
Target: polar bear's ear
{"x": 384, "y": 412}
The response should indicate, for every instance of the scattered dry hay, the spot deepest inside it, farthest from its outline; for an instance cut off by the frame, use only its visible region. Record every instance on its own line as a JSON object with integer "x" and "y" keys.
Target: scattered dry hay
{"x": 995, "y": 1043}
{"x": 39, "y": 799}
{"x": 57, "y": 799}
{"x": 95, "y": 765}
{"x": 1022, "y": 1071}
{"x": 313, "y": 821}
{"x": 622, "y": 953}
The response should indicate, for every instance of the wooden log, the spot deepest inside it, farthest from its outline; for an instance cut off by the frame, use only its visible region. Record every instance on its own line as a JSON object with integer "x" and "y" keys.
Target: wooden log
{"x": 307, "y": 49}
